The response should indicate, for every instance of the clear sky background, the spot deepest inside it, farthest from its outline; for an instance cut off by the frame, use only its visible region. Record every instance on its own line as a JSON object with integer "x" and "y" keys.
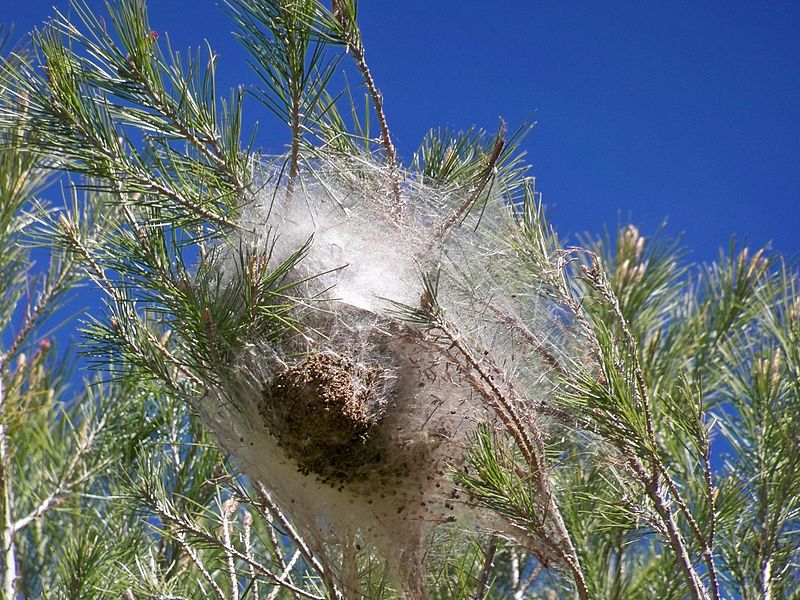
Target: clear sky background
{"x": 685, "y": 111}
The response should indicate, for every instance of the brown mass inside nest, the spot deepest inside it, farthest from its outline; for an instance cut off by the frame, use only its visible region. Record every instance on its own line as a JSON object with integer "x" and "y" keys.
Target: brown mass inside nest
{"x": 322, "y": 411}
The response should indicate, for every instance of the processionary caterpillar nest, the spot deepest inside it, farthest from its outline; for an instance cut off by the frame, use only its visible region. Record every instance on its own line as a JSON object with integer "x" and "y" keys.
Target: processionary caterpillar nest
{"x": 354, "y": 420}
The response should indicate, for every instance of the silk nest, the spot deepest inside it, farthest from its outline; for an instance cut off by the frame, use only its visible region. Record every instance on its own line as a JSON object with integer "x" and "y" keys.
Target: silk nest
{"x": 356, "y": 419}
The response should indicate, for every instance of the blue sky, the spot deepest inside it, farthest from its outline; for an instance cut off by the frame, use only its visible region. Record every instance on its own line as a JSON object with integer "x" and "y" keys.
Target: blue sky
{"x": 684, "y": 110}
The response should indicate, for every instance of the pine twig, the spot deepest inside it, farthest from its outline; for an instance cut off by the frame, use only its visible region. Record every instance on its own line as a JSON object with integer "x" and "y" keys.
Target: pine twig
{"x": 484, "y": 380}
{"x": 65, "y": 484}
{"x": 596, "y": 278}
{"x": 200, "y": 566}
{"x": 285, "y": 574}
{"x": 6, "y": 497}
{"x": 352, "y": 39}
{"x": 265, "y": 500}
{"x": 708, "y": 546}
{"x": 482, "y": 586}
{"x": 38, "y": 312}
{"x": 248, "y": 550}
{"x": 185, "y": 527}
{"x": 227, "y": 511}
{"x": 481, "y": 181}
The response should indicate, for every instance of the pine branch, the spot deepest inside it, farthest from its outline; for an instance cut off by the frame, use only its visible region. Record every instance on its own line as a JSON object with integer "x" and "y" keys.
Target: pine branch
{"x": 485, "y": 378}
{"x": 597, "y": 280}
{"x": 342, "y": 27}
{"x": 266, "y": 502}
{"x": 54, "y": 286}
{"x": 279, "y": 36}
{"x": 185, "y": 527}
{"x": 482, "y": 585}
{"x": 479, "y": 185}
{"x": 10, "y": 574}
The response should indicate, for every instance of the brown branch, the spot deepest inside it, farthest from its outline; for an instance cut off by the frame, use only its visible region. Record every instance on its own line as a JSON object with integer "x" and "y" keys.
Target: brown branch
{"x": 226, "y": 512}
{"x": 294, "y": 152}
{"x": 386, "y": 138}
{"x": 6, "y": 497}
{"x": 209, "y": 139}
{"x": 482, "y": 586}
{"x": 352, "y": 39}
{"x": 485, "y": 384}
{"x": 537, "y": 346}
{"x": 265, "y": 501}
{"x": 39, "y": 310}
{"x": 248, "y": 550}
{"x": 481, "y": 181}
{"x": 708, "y": 546}
{"x": 200, "y": 566}
{"x": 202, "y": 144}
{"x": 64, "y": 486}
{"x": 184, "y": 527}
{"x": 159, "y": 188}
{"x": 677, "y": 542}
{"x": 596, "y": 278}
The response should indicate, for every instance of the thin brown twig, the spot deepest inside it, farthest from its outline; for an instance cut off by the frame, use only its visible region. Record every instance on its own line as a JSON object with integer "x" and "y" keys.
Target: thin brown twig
{"x": 481, "y": 182}
{"x": 247, "y": 523}
{"x": 708, "y": 547}
{"x": 294, "y": 153}
{"x": 6, "y": 497}
{"x": 265, "y": 501}
{"x": 485, "y": 383}
{"x": 285, "y": 574}
{"x": 353, "y": 42}
{"x": 482, "y": 586}
{"x": 192, "y": 207}
{"x": 65, "y": 484}
{"x": 209, "y": 139}
{"x": 39, "y": 310}
{"x": 226, "y": 512}
{"x": 513, "y": 321}
{"x": 295, "y": 117}
{"x": 184, "y": 527}
{"x": 595, "y": 276}
{"x": 200, "y": 566}
{"x": 677, "y": 542}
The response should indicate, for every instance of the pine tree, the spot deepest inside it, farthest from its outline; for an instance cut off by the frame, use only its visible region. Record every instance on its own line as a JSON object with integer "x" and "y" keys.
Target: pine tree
{"x": 328, "y": 374}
